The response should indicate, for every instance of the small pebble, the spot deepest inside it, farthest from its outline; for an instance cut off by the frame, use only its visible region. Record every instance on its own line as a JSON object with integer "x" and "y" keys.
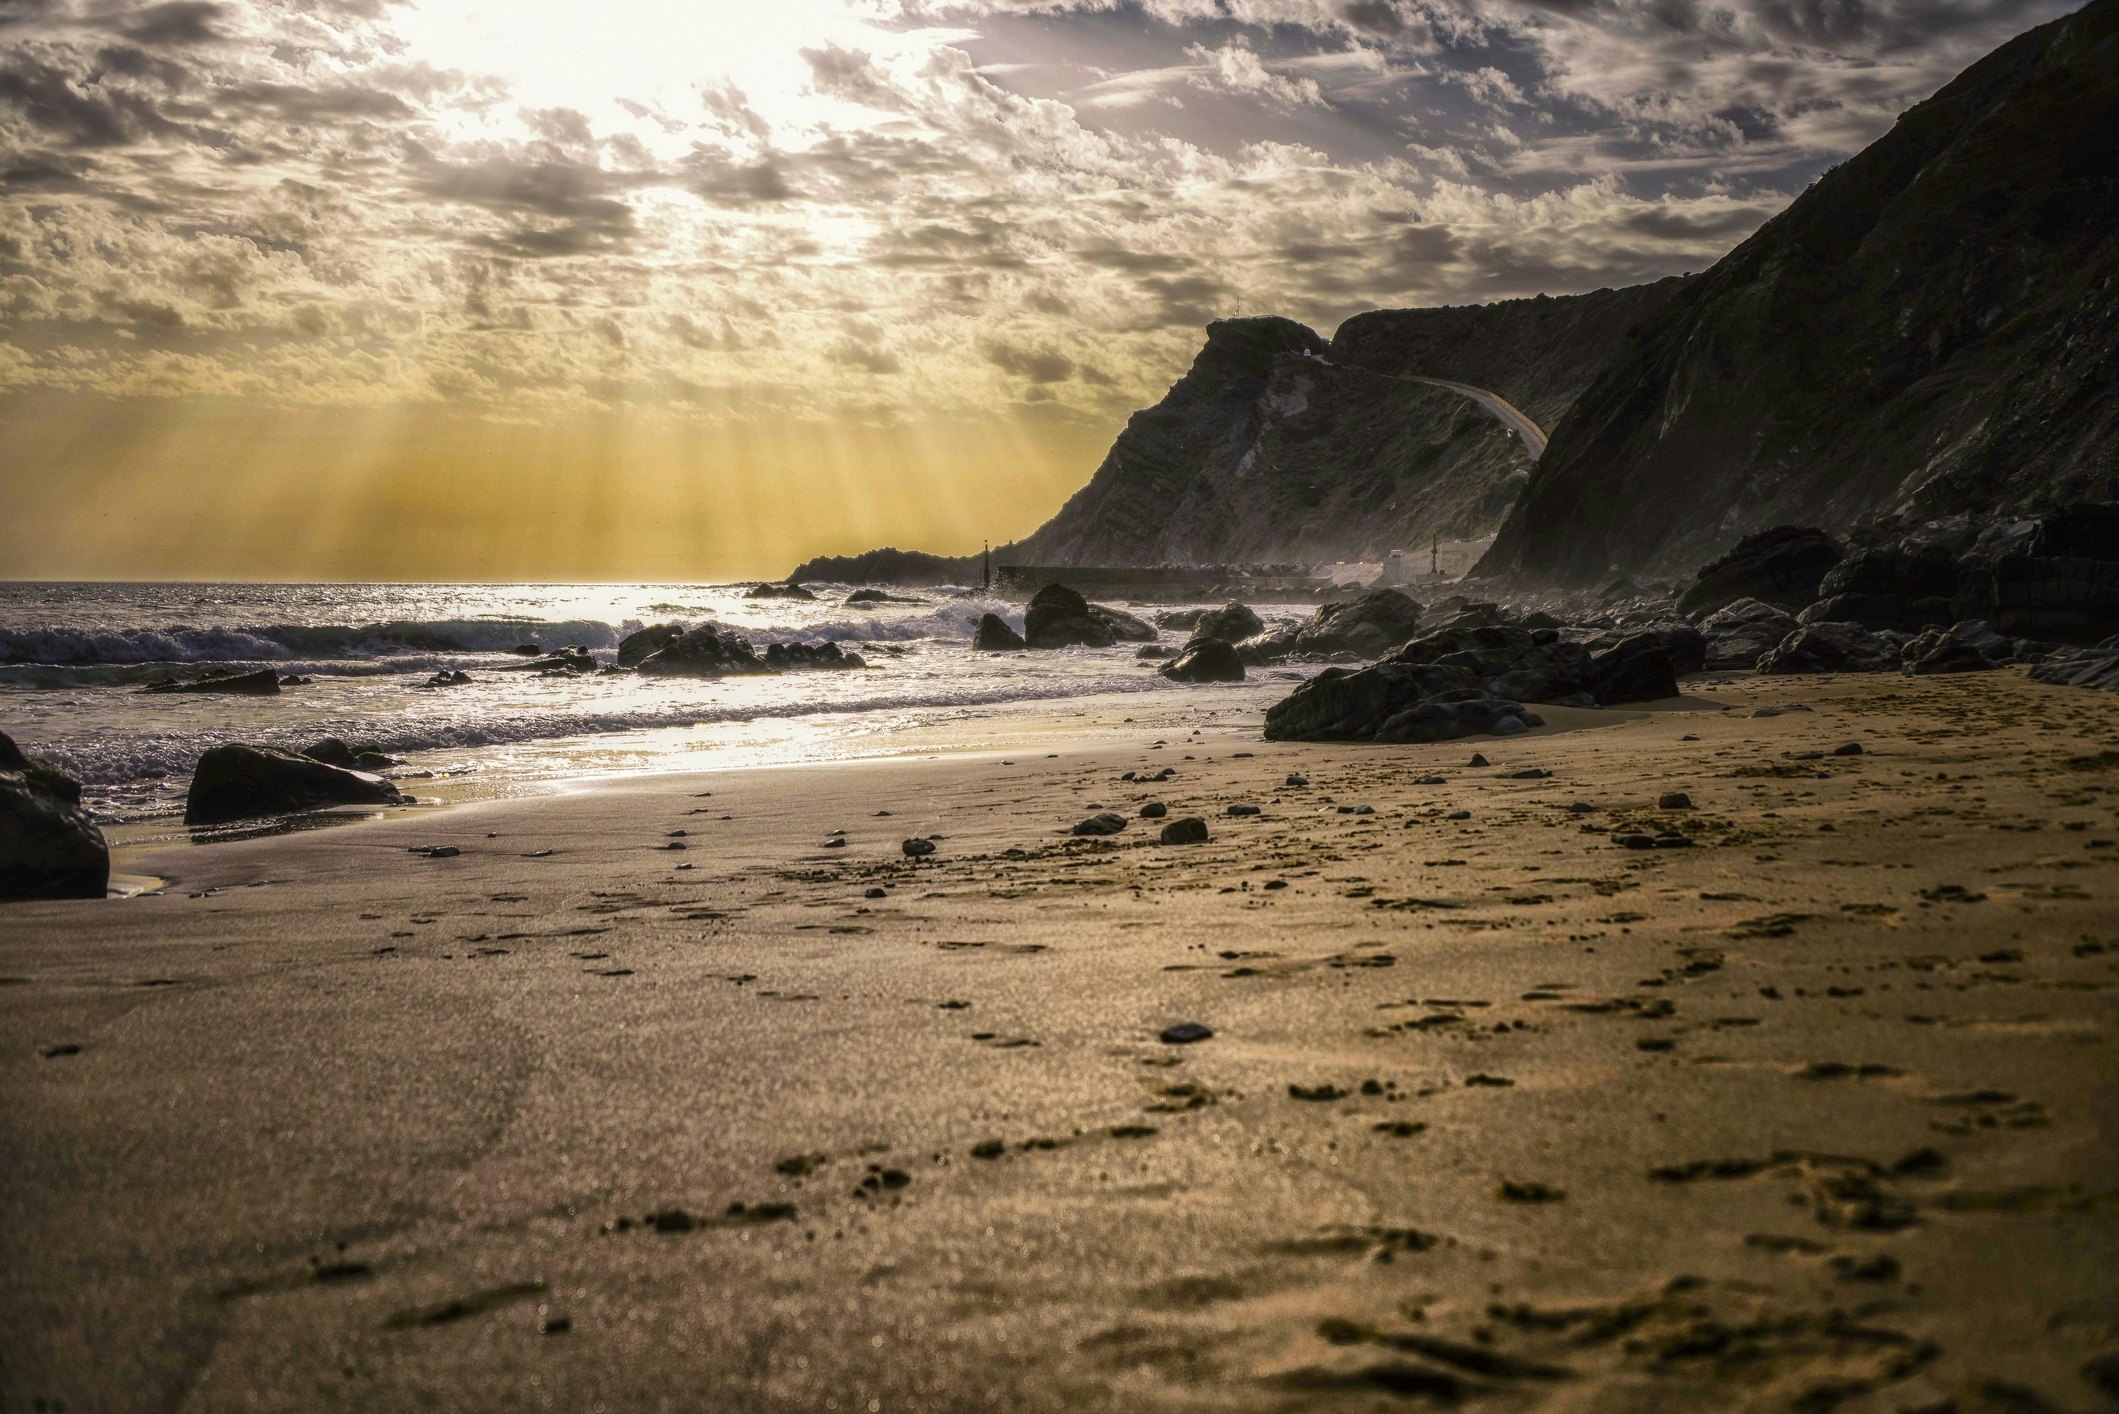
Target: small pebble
{"x": 1185, "y": 1033}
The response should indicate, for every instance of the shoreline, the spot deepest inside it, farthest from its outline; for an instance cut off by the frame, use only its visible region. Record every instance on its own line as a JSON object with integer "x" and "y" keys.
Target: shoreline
{"x": 1494, "y": 1109}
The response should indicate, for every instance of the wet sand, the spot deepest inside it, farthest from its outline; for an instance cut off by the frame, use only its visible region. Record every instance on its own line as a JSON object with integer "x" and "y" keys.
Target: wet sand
{"x": 1819, "y": 1112}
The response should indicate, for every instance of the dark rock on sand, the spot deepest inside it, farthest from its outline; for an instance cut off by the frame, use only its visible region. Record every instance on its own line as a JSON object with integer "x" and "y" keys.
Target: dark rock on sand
{"x": 1189, "y": 830}
{"x": 1393, "y": 701}
{"x": 636, "y": 646}
{"x": 1108, "y": 823}
{"x": 1946, "y": 650}
{"x": 2061, "y": 581}
{"x": 2095, "y": 667}
{"x": 1740, "y": 633}
{"x": 1636, "y": 669}
{"x": 239, "y": 782}
{"x": 1154, "y": 810}
{"x": 265, "y": 682}
{"x": 49, "y": 848}
{"x": 1206, "y": 660}
{"x": 1831, "y": 648}
{"x": 1186, "y": 1033}
{"x": 916, "y": 848}
{"x": 1058, "y": 617}
{"x": 994, "y": 636}
{"x": 1375, "y": 623}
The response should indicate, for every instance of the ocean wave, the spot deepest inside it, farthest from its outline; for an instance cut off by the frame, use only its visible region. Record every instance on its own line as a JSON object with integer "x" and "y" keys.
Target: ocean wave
{"x": 283, "y": 643}
{"x": 114, "y": 761}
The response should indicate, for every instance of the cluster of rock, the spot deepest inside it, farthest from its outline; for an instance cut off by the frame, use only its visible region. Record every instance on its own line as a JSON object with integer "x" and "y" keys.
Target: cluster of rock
{"x": 262, "y": 682}
{"x": 1474, "y": 678}
{"x": 671, "y": 650}
{"x": 1945, "y": 597}
{"x": 49, "y": 847}
{"x": 1059, "y": 617}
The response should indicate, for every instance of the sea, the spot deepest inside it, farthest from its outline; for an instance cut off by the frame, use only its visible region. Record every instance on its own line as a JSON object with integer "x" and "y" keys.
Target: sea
{"x": 74, "y": 658}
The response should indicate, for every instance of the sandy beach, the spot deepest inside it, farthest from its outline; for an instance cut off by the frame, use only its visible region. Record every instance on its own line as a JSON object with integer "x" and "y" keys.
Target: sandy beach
{"x": 653, "y": 1097}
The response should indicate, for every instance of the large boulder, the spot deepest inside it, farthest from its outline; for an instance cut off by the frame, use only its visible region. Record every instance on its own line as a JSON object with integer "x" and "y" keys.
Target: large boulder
{"x": 1393, "y": 702}
{"x": 1205, "y": 660}
{"x": 637, "y": 645}
{"x": 336, "y": 751}
{"x": 1231, "y": 623}
{"x": 1740, "y": 633}
{"x": 49, "y": 848}
{"x": 704, "y": 652}
{"x": 994, "y": 636}
{"x": 1058, "y": 617}
{"x": 264, "y": 682}
{"x": 1638, "y": 668}
{"x": 1830, "y": 648}
{"x": 2074, "y": 598}
{"x": 777, "y": 591}
{"x": 1783, "y": 566}
{"x": 1366, "y": 627}
{"x": 240, "y": 782}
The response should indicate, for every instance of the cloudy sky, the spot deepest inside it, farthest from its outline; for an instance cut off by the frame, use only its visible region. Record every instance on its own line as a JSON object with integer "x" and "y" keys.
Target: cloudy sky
{"x": 695, "y": 288}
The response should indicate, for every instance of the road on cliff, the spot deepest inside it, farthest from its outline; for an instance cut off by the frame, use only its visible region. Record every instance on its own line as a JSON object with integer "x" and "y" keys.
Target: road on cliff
{"x": 1500, "y": 408}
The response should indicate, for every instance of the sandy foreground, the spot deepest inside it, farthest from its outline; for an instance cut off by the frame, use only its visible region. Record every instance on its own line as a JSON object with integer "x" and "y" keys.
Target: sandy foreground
{"x": 1822, "y": 1112}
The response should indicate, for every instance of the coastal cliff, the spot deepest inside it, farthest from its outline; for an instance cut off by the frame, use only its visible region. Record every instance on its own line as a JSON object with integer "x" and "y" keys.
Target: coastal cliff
{"x": 1929, "y": 329}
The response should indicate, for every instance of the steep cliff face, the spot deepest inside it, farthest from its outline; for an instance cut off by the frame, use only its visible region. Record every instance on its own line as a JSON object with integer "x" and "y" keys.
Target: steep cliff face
{"x": 1277, "y": 446}
{"x": 1931, "y": 328}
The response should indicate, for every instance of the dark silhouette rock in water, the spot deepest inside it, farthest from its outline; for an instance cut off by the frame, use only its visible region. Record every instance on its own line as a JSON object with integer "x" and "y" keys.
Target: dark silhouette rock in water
{"x": 1740, "y": 633}
{"x": 1205, "y": 660}
{"x": 1783, "y": 567}
{"x": 575, "y": 659}
{"x": 637, "y": 645}
{"x": 242, "y": 782}
{"x": 49, "y": 848}
{"x": 1366, "y": 627}
{"x": 994, "y": 636}
{"x": 1931, "y": 326}
{"x": 265, "y": 682}
{"x": 703, "y": 652}
{"x": 1394, "y": 701}
{"x": 777, "y": 591}
{"x": 877, "y": 596}
{"x": 1831, "y": 648}
{"x": 889, "y": 566}
{"x": 1059, "y": 617}
{"x": 796, "y": 657}
{"x": 334, "y": 751}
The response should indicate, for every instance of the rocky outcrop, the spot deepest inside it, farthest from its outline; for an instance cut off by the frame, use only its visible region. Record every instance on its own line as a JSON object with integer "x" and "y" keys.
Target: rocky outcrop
{"x": 2093, "y": 667}
{"x": 1740, "y": 633}
{"x": 242, "y": 782}
{"x": 636, "y": 646}
{"x": 711, "y": 652}
{"x": 265, "y": 682}
{"x": 49, "y": 847}
{"x": 2058, "y": 578}
{"x": 1394, "y": 701}
{"x": 1957, "y": 649}
{"x": 1831, "y": 648}
{"x": 1205, "y": 660}
{"x": 1058, "y": 617}
{"x": 994, "y": 636}
{"x": 1783, "y": 566}
{"x": 1931, "y": 326}
{"x": 810, "y": 657}
{"x": 888, "y": 567}
{"x": 1375, "y": 623}
{"x": 778, "y": 591}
